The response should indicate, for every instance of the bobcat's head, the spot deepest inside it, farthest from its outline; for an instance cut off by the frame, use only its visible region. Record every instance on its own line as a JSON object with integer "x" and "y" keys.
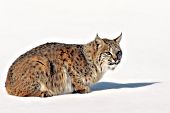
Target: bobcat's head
{"x": 108, "y": 52}
{"x": 105, "y": 53}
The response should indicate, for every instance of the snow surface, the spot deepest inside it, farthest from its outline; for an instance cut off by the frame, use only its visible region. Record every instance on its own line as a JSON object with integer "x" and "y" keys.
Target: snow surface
{"x": 140, "y": 84}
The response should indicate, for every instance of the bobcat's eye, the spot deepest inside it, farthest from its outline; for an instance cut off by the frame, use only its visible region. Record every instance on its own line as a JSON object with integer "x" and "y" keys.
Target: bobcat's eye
{"x": 105, "y": 55}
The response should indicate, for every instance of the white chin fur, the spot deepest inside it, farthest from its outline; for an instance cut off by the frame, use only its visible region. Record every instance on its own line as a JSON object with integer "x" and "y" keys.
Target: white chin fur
{"x": 112, "y": 67}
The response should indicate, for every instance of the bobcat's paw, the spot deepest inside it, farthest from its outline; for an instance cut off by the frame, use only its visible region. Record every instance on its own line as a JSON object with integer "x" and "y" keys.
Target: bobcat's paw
{"x": 82, "y": 91}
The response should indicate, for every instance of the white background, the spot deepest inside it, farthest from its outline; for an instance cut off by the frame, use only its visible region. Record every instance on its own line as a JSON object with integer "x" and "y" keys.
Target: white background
{"x": 140, "y": 84}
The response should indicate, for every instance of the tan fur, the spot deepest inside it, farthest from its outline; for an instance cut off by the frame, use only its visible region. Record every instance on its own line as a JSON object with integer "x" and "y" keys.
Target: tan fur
{"x": 56, "y": 68}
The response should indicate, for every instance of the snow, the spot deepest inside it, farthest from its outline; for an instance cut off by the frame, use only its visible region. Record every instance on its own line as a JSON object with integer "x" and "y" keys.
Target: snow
{"x": 140, "y": 84}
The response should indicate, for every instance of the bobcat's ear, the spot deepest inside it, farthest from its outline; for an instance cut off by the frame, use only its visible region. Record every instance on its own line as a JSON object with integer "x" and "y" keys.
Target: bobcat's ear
{"x": 118, "y": 39}
{"x": 99, "y": 42}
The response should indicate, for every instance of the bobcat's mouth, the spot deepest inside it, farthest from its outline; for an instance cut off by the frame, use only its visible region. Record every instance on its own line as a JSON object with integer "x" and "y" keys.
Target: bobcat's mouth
{"x": 114, "y": 62}
{"x": 112, "y": 67}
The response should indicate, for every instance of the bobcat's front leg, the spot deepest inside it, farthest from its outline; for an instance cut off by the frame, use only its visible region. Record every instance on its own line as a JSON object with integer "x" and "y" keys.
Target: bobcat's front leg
{"x": 80, "y": 86}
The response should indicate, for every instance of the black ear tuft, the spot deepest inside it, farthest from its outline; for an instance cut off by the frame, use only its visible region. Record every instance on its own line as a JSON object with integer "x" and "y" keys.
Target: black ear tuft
{"x": 118, "y": 39}
{"x": 97, "y": 35}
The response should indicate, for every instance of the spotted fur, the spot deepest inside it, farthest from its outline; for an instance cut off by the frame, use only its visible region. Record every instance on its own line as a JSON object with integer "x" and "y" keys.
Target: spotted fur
{"x": 56, "y": 68}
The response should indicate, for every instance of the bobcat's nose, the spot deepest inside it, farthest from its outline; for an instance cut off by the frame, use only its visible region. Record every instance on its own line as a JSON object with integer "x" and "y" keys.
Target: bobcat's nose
{"x": 119, "y": 55}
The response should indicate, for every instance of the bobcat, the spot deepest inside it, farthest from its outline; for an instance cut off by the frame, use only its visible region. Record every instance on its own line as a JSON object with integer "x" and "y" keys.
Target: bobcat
{"x": 57, "y": 68}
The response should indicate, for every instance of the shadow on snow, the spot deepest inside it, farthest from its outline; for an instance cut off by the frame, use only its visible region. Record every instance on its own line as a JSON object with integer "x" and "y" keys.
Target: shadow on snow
{"x": 110, "y": 85}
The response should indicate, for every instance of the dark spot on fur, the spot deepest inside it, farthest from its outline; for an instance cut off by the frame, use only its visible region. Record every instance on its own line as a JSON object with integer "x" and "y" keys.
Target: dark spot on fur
{"x": 37, "y": 73}
{"x": 49, "y": 50}
{"x": 10, "y": 70}
{"x": 71, "y": 74}
{"x": 89, "y": 51}
{"x": 72, "y": 51}
{"x": 61, "y": 52}
{"x": 42, "y": 72}
{"x": 69, "y": 65}
{"x": 81, "y": 70}
{"x": 46, "y": 74}
{"x": 45, "y": 55}
{"x": 36, "y": 64}
{"x": 78, "y": 72}
{"x": 69, "y": 56}
{"x": 39, "y": 69}
{"x": 52, "y": 68}
{"x": 77, "y": 67}
{"x": 67, "y": 47}
{"x": 55, "y": 84}
{"x": 78, "y": 58}
{"x": 64, "y": 60}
